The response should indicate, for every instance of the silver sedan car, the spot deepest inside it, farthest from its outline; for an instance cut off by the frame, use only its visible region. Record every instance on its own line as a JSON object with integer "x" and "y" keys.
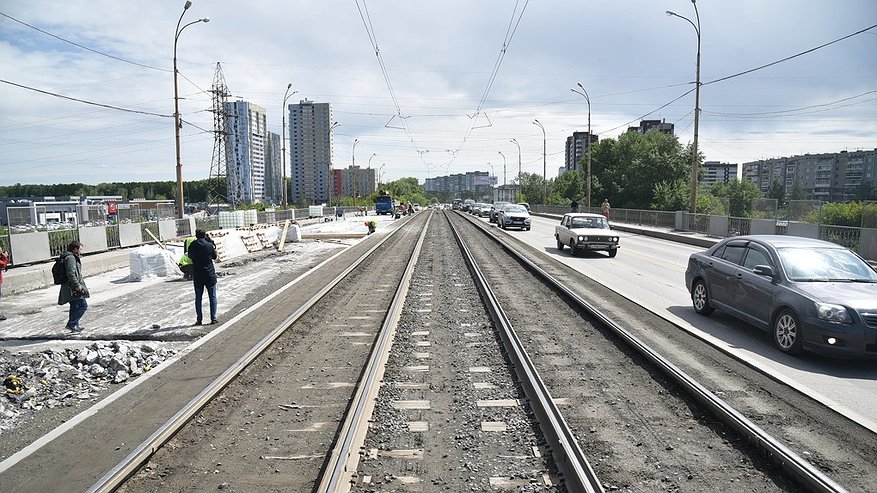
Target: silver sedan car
{"x": 808, "y": 294}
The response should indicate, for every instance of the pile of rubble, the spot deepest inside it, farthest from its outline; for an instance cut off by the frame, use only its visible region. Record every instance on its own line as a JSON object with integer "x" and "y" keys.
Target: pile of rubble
{"x": 62, "y": 377}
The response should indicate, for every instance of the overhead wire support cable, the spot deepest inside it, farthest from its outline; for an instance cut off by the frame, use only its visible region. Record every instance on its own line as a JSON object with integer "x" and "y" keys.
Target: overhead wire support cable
{"x": 108, "y": 106}
{"x": 82, "y": 46}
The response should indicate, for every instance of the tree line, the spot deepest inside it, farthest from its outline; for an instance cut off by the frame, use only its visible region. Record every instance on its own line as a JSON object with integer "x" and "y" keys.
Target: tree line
{"x": 193, "y": 191}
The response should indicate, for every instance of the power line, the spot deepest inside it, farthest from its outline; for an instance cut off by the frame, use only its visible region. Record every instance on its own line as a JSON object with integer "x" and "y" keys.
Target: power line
{"x": 738, "y": 74}
{"x": 81, "y": 46}
{"x": 84, "y": 101}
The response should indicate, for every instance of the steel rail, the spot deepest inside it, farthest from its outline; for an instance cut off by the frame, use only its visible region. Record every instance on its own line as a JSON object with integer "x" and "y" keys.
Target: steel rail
{"x": 577, "y": 472}
{"x": 342, "y": 463}
{"x": 785, "y": 458}
{"x": 134, "y": 460}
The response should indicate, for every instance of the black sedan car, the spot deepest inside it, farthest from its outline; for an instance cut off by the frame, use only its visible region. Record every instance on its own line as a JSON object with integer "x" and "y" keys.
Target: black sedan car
{"x": 809, "y": 294}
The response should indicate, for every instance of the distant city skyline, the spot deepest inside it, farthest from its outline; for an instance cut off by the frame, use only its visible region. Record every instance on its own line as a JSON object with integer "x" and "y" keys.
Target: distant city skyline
{"x": 461, "y": 79}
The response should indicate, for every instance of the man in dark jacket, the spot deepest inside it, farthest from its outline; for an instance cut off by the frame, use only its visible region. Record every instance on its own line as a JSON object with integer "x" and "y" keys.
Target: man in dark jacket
{"x": 74, "y": 291}
{"x": 202, "y": 252}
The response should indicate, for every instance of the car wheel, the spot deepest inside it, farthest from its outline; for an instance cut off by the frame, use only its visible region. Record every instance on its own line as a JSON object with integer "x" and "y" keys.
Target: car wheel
{"x": 526, "y": 229}
{"x": 787, "y": 332}
{"x": 613, "y": 252}
{"x": 700, "y": 298}
{"x": 559, "y": 244}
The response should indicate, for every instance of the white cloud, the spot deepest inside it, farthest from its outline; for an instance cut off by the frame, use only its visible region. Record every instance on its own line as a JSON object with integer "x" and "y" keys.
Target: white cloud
{"x": 630, "y": 56}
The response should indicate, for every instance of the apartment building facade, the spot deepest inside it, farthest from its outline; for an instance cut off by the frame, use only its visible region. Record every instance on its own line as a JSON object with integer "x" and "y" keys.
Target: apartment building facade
{"x": 247, "y": 132}
{"x": 830, "y": 177}
{"x": 577, "y": 150}
{"x": 310, "y": 152}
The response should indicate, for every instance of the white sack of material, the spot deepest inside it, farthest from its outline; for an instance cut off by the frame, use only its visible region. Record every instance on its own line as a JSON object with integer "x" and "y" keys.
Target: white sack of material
{"x": 152, "y": 261}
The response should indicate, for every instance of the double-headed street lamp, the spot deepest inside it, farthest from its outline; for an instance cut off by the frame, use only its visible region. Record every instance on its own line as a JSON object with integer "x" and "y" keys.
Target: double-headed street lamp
{"x": 588, "y": 99}
{"x": 694, "y": 164}
{"x": 286, "y": 96}
{"x": 519, "y": 165}
{"x": 503, "y": 168}
{"x": 177, "y": 121}
{"x": 544, "y": 165}
{"x": 329, "y": 177}
{"x": 379, "y": 174}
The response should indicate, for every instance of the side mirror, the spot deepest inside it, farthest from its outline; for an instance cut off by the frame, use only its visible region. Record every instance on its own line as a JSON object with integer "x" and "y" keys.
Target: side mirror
{"x": 763, "y": 270}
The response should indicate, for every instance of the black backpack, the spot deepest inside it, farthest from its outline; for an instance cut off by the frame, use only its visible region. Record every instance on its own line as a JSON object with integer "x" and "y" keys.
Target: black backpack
{"x": 59, "y": 272}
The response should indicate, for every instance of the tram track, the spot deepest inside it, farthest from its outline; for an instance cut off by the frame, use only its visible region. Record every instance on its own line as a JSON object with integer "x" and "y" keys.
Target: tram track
{"x": 390, "y": 377}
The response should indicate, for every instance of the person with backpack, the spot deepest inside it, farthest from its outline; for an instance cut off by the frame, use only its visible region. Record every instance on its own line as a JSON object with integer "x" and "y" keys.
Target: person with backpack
{"x": 73, "y": 289}
{"x": 4, "y": 261}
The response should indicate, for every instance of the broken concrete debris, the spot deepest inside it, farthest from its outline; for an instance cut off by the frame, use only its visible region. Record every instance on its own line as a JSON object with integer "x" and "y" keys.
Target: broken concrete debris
{"x": 62, "y": 377}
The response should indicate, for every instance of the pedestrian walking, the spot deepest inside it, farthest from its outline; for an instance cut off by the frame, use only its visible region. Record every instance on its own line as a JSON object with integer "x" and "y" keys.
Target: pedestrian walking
{"x": 574, "y": 206}
{"x": 4, "y": 262}
{"x": 202, "y": 252}
{"x": 605, "y": 208}
{"x": 74, "y": 290}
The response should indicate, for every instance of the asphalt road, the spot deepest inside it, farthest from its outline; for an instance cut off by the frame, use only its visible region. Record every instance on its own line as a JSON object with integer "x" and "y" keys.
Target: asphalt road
{"x": 650, "y": 272}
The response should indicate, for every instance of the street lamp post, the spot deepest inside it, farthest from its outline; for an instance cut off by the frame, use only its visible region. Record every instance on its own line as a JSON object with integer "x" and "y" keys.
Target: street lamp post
{"x": 504, "y": 174}
{"x": 544, "y": 165}
{"x": 177, "y": 120}
{"x": 379, "y": 174}
{"x": 370, "y": 160}
{"x": 286, "y": 96}
{"x": 588, "y": 99}
{"x": 329, "y": 179}
{"x": 694, "y": 161}
{"x": 353, "y": 170}
{"x": 519, "y": 166}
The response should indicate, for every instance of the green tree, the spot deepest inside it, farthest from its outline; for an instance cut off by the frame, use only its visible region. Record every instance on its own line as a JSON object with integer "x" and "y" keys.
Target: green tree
{"x": 627, "y": 170}
{"x": 568, "y": 186}
{"x": 777, "y": 191}
{"x": 672, "y": 196}
{"x": 740, "y": 195}
{"x": 797, "y": 192}
{"x": 532, "y": 190}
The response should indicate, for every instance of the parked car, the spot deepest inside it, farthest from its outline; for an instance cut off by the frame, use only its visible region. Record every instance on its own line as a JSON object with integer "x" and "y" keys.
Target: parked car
{"x": 513, "y": 216}
{"x": 586, "y": 232}
{"x": 810, "y": 295}
{"x": 525, "y": 205}
{"x": 494, "y": 210}
{"x": 467, "y": 204}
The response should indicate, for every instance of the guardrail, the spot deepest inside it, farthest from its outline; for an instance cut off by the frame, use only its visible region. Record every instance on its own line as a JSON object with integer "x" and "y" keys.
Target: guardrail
{"x": 860, "y": 240}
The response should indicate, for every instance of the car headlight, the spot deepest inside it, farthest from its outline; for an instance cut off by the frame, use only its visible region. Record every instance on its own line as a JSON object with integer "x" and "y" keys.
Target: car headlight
{"x": 583, "y": 238}
{"x": 615, "y": 239}
{"x": 833, "y": 313}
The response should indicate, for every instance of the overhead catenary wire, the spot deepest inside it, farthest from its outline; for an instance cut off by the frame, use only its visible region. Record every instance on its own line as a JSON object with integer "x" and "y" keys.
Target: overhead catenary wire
{"x": 82, "y": 46}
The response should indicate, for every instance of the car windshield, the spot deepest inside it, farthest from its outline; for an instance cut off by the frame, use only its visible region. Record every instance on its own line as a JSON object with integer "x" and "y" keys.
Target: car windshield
{"x": 514, "y": 208}
{"x": 589, "y": 222}
{"x": 825, "y": 265}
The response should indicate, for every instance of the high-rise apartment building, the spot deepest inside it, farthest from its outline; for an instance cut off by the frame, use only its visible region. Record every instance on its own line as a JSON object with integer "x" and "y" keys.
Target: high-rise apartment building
{"x": 653, "y": 126}
{"x": 310, "y": 152}
{"x": 831, "y": 177}
{"x": 273, "y": 169}
{"x": 577, "y": 150}
{"x": 246, "y": 127}
{"x": 717, "y": 172}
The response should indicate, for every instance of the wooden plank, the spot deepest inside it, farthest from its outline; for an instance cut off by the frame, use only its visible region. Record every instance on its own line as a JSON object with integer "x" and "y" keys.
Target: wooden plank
{"x": 283, "y": 236}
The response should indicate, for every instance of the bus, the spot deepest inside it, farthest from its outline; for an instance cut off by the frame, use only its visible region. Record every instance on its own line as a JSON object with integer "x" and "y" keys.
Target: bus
{"x": 384, "y": 204}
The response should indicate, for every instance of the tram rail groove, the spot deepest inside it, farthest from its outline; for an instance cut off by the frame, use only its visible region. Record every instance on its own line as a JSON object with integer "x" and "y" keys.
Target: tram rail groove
{"x": 131, "y": 463}
{"x": 342, "y": 463}
{"x": 577, "y": 472}
{"x": 785, "y": 458}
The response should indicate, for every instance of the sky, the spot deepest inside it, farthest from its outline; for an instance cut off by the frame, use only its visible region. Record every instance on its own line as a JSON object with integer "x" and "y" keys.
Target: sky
{"x": 427, "y": 88}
